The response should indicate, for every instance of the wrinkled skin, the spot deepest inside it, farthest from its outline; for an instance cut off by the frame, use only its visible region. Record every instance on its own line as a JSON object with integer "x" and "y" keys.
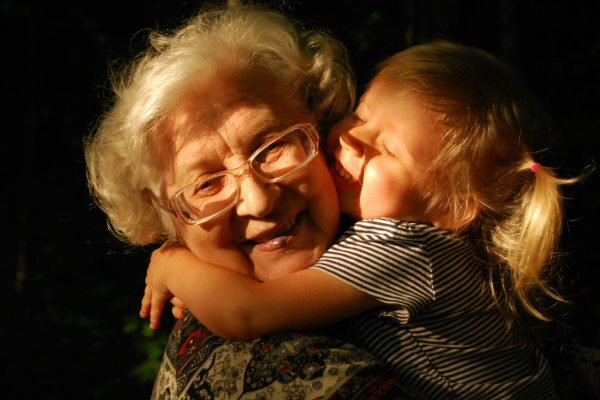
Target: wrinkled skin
{"x": 220, "y": 121}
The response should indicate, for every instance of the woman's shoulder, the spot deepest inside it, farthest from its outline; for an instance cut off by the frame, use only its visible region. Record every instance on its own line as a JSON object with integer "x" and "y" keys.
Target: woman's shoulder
{"x": 319, "y": 365}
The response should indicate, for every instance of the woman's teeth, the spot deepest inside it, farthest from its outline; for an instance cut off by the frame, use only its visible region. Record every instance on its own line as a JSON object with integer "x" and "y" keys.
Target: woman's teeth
{"x": 284, "y": 229}
{"x": 345, "y": 174}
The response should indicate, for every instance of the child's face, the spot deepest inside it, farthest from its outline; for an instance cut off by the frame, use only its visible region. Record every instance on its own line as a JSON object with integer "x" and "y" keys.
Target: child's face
{"x": 382, "y": 153}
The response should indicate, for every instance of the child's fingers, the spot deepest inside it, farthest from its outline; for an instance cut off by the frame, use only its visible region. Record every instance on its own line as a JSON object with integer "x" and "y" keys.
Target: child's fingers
{"x": 177, "y": 307}
{"x": 177, "y": 312}
{"x": 175, "y": 302}
{"x": 146, "y": 302}
{"x": 156, "y": 308}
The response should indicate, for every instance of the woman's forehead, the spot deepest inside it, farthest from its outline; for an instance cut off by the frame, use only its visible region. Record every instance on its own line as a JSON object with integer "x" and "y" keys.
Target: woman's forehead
{"x": 221, "y": 120}
{"x": 232, "y": 106}
{"x": 212, "y": 147}
{"x": 237, "y": 125}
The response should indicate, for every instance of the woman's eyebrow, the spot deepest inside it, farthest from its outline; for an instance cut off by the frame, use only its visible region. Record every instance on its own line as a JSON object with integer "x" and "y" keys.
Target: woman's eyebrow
{"x": 250, "y": 138}
{"x": 201, "y": 165}
{"x": 270, "y": 124}
{"x": 256, "y": 132}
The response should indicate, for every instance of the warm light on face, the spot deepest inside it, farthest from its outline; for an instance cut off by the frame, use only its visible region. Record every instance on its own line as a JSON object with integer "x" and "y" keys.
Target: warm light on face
{"x": 286, "y": 214}
{"x": 382, "y": 156}
{"x": 214, "y": 194}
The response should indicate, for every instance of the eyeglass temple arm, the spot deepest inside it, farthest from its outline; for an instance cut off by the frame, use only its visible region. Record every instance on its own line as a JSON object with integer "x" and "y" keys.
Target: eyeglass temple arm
{"x": 162, "y": 204}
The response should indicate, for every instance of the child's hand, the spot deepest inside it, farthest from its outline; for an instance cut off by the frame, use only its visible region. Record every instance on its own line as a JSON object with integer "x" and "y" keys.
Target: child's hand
{"x": 177, "y": 307}
{"x": 157, "y": 292}
{"x": 152, "y": 305}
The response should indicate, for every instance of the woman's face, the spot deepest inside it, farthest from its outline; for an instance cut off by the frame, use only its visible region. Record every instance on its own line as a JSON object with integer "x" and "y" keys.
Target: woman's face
{"x": 217, "y": 125}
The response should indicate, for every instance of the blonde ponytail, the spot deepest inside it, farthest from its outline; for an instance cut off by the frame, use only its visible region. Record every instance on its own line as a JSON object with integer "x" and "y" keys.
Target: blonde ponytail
{"x": 526, "y": 242}
{"x": 486, "y": 116}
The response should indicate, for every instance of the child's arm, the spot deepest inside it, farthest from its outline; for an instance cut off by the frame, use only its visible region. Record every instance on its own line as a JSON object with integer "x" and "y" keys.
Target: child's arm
{"x": 235, "y": 306}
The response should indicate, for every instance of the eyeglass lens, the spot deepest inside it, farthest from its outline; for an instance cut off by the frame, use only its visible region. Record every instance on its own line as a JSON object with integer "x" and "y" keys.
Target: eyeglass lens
{"x": 282, "y": 157}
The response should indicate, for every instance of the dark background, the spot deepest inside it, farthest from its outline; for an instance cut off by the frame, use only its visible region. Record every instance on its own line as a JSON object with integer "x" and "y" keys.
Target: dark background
{"x": 70, "y": 292}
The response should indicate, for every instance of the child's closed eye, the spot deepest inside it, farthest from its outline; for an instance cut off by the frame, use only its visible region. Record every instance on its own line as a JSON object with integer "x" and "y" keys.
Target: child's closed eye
{"x": 383, "y": 149}
{"x": 355, "y": 118}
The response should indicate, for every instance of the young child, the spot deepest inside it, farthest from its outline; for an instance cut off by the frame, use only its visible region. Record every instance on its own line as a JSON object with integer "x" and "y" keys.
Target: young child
{"x": 457, "y": 227}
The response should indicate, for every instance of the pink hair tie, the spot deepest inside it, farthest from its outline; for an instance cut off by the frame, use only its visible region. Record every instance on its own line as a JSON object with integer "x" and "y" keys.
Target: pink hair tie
{"x": 534, "y": 166}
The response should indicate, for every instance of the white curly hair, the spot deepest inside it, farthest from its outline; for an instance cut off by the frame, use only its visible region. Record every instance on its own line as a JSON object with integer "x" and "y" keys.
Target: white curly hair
{"x": 310, "y": 66}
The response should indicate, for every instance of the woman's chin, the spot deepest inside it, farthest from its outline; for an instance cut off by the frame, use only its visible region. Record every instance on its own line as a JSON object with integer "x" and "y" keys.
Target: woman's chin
{"x": 296, "y": 250}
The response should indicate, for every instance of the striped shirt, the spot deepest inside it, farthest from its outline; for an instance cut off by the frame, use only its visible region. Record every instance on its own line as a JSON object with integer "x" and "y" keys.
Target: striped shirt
{"x": 442, "y": 332}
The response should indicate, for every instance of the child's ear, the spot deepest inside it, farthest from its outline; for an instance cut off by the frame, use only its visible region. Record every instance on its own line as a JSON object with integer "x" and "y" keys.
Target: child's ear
{"x": 444, "y": 220}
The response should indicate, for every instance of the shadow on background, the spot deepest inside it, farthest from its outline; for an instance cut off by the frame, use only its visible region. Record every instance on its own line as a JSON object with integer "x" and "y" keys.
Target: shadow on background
{"x": 71, "y": 291}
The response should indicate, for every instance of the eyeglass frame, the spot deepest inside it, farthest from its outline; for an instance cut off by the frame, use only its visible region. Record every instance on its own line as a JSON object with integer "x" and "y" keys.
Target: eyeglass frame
{"x": 174, "y": 209}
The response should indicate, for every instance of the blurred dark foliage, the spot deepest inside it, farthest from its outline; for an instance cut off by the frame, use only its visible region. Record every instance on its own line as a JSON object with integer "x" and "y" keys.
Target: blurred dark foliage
{"x": 69, "y": 327}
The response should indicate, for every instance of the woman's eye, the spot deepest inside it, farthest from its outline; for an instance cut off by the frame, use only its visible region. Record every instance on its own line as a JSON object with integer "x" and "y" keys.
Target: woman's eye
{"x": 202, "y": 192}
{"x": 207, "y": 188}
{"x": 201, "y": 188}
{"x": 272, "y": 152}
{"x": 206, "y": 185}
{"x": 274, "y": 146}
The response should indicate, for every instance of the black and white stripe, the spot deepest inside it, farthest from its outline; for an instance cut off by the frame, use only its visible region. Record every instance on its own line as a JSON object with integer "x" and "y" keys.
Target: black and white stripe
{"x": 442, "y": 333}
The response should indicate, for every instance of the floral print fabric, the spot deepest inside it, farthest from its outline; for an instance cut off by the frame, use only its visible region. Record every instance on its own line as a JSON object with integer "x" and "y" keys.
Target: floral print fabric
{"x": 297, "y": 366}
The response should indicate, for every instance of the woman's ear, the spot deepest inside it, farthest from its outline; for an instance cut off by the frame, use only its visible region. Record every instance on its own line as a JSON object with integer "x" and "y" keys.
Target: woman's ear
{"x": 446, "y": 221}
{"x": 146, "y": 197}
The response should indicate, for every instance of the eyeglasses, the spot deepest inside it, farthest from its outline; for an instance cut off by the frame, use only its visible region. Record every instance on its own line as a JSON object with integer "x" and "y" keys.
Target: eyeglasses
{"x": 210, "y": 197}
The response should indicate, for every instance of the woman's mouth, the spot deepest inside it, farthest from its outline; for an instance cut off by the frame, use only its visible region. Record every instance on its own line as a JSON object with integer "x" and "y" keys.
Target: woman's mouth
{"x": 280, "y": 232}
{"x": 345, "y": 175}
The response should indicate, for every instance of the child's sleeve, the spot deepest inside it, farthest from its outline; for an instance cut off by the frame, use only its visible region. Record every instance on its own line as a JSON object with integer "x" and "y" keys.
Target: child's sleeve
{"x": 386, "y": 259}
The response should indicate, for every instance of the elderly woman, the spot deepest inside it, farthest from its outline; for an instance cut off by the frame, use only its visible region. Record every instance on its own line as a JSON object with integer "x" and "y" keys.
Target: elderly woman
{"x": 211, "y": 98}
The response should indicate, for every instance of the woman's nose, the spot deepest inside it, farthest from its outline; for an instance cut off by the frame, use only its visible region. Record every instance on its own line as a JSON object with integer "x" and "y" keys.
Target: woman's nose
{"x": 351, "y": 144}
{"x": 257, "y": 199}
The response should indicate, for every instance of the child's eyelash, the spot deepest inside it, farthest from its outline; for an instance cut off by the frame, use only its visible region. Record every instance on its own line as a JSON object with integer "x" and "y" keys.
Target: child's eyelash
{"x": 383, "y": 149}
{"x": 355, "y": 116}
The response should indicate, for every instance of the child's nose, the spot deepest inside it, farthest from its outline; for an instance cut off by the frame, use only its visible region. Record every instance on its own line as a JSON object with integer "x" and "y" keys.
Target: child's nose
{"x": 351, "y": 144}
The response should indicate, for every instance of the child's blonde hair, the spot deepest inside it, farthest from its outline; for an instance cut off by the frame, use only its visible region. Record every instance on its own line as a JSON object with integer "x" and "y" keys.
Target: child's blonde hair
{"x": 486, "y": 116}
